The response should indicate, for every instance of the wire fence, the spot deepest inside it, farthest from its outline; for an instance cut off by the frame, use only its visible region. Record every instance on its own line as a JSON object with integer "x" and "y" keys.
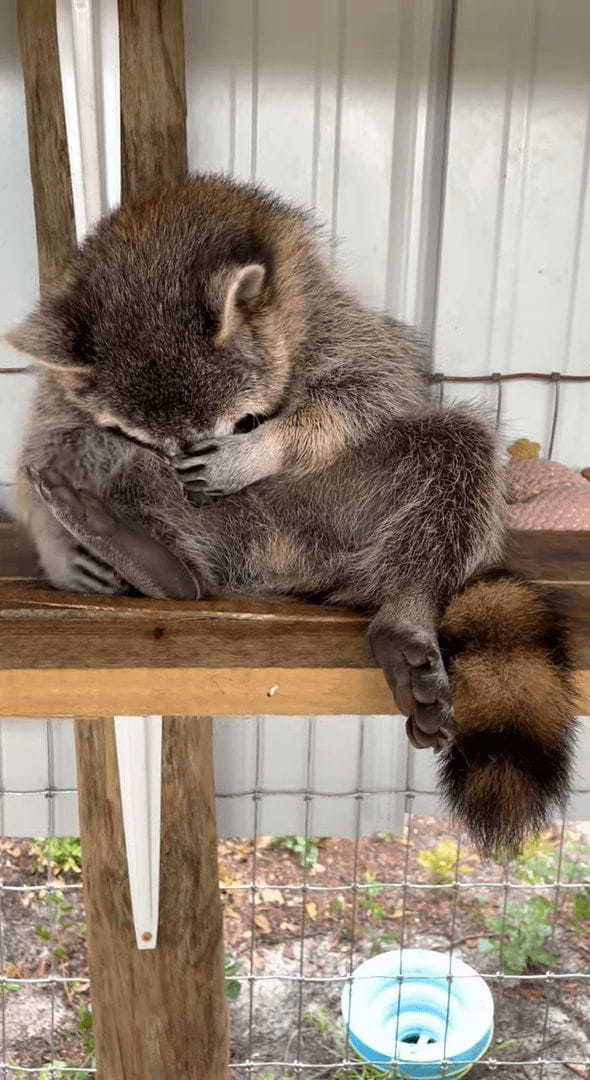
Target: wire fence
{"x": 302, "y": 912}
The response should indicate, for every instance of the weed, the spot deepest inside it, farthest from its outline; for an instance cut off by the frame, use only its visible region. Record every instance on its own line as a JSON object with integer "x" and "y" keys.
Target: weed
{"x": 63, "y": 933}
{"x": 521, "y": 935}
{"x": 582, "y": 904}
{"x": 538, "y": 862}
{"x": 370, "y": 898}
{"x": 62, "y": 854}
{"x": 233, "y": 986}
{"x": 319, "y": 1019}
{"x": 441, "y": 863}
{"x": 85, "y": 1030}
{"x": 306, "y": 847}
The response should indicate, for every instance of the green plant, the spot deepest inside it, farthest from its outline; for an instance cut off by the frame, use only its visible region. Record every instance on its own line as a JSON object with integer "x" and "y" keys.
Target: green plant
{"x": 582, "y": 904}
{"x": 520, "y": 935}
{"x": 370, "y": 898}
{"x": 306, "y": 847}
{"x": 441, "y": 863}
{"x": 62, "y": 932}
{"x": 316, "y": 1018}
{"x": 233, "y": 986}
{"x": 538, "y": 862}
{"x": 85, "y": 1029}
{"x": 63, "y": 854}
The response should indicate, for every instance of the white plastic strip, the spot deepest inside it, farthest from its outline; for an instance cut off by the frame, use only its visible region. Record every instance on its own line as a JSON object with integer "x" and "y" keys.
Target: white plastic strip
{"x": 139, "y": 755}
{"x": 88, "y": 39}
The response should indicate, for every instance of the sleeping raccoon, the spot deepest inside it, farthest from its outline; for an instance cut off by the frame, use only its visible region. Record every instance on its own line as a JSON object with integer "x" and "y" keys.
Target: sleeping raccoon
{"x": 217, "y": 412}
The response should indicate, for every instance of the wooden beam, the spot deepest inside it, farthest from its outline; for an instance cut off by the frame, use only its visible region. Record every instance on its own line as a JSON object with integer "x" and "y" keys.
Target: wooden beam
{"x": 231, "y": 655}
{"x": 160, "y": 1013}
{"x": 310, "y": 691}
{"x": 48, "y": 147}
{"x": 153, "y": 94}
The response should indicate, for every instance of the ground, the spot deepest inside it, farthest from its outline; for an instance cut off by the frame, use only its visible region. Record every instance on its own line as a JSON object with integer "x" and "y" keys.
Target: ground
{"x": 322, "y": 931}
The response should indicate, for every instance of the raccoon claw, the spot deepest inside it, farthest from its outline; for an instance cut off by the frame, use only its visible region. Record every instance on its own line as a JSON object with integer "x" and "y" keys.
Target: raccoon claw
{"x": 414, "y": 669}
{"x": 134, "y": 555}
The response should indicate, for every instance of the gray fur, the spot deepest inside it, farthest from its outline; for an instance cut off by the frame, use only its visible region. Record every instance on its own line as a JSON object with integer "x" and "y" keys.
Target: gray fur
{"x": 356, "y": 488}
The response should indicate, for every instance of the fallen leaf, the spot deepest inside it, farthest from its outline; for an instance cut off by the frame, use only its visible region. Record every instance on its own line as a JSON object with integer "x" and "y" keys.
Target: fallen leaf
{"x": 579, "y": 1070}
{"x": 262, "y": 923}
{"x": 312, "y": 910}
{"x": 12, "y": 971}
{"x": 272, "y": 896}
{"x": 257, "y": 962}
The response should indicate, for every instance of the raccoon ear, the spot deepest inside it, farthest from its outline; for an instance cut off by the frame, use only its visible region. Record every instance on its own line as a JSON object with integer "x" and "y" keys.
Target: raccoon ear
{"x": 42, "y": 336}
{"x": 242, "y": 293}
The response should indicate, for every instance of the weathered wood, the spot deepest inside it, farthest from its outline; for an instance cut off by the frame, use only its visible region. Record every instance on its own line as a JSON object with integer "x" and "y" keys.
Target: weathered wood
{"x": 234, "y": 655}
{"x": 157, "y": 1013}
{"x": 153, "y": 95}
{"x": 48, "y": 147}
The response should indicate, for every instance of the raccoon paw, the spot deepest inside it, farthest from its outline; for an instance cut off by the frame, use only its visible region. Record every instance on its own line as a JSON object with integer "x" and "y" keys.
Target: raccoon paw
{"x": 132, "y": 553}
{"x": 414, "y": 669}
{"x": 222, "y": 466}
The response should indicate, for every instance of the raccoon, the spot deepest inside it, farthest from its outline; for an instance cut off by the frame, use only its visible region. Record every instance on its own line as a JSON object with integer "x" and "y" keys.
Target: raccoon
{"x": 217, "y": 412}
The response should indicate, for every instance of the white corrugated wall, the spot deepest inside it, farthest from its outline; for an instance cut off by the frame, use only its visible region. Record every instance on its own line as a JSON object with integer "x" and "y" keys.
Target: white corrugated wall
{"x": 458, "y": 196}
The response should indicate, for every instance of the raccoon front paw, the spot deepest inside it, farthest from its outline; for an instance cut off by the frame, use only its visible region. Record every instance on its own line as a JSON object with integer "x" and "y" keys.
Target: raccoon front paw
{"x": 414, "y": 669}
{"x": 218, "y": 467}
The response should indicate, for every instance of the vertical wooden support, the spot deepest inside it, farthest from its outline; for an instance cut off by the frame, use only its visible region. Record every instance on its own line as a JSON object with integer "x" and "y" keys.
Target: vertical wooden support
{"x": 48, "y": 148}
{"x": 153, "y": 94}
{"x": 159, "y": 1013}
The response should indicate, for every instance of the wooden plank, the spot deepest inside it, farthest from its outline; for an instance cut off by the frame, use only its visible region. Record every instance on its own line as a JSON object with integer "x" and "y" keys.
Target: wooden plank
{"x": 158, "y": 1013}
{"x": 153, "y": 94}
{"x": 234, "y": 691}
{"x": 209, "y": 636}
{"x": 48, "y": 147}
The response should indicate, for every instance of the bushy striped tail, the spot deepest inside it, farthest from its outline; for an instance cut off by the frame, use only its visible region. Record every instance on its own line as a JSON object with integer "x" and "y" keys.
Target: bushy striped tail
{"x": 506, "y": 646}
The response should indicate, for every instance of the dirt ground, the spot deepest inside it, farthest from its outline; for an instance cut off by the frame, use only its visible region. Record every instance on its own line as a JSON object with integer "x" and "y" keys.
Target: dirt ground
{"x": 309, "y": 921}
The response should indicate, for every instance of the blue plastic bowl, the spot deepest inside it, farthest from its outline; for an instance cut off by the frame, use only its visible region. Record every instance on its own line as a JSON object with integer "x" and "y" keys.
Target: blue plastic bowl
{"x": 416, "y": 983}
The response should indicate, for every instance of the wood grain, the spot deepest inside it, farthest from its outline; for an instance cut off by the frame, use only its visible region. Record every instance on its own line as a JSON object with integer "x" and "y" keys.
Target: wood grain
{"x": 157, "y": 1013}
{"x": 221, "y": 656}
{"x": 254, "y": 691}
{"x": 153, "y": 94}
{"x": 48, "y": 147}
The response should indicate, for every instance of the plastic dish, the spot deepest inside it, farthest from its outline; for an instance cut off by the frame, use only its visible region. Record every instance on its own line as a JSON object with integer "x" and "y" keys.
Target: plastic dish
{"x": 416, "y": 984}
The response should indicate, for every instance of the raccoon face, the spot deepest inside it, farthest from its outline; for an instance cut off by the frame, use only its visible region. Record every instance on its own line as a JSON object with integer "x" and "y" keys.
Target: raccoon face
{"x": 168, "y": 326}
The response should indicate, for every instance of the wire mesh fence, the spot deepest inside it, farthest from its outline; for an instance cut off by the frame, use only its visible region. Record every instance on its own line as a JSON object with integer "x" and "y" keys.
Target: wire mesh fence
{"x": 302, "y": 912}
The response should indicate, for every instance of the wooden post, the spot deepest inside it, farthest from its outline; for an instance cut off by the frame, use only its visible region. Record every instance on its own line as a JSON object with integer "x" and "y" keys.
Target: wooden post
{"x": 153, "y": 95}
{"x": 48, "y": 145}
{"x": 160, "y": 1013}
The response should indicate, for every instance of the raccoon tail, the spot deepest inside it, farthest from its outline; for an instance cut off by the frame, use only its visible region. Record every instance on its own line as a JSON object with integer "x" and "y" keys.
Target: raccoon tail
{"x": 506, "y": 646}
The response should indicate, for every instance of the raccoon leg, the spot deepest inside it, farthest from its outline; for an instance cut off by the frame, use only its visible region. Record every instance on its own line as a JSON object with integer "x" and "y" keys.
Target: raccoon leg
{"x": 135, "y": 557}
{"x": 66, "y": 563}
{"x": 404, "y": 638}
